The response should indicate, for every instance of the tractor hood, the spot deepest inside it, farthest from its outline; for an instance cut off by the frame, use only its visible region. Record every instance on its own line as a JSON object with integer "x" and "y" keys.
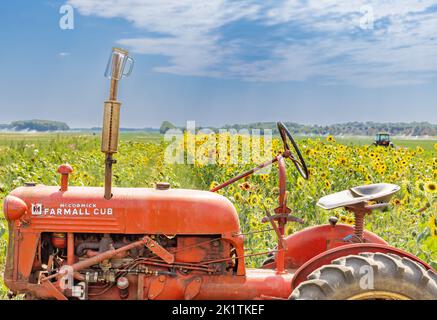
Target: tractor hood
{"x": 131, "y": 210}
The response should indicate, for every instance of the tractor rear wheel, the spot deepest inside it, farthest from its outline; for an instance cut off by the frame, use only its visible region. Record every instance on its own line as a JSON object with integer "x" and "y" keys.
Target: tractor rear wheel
{"x": 369, "y": 276}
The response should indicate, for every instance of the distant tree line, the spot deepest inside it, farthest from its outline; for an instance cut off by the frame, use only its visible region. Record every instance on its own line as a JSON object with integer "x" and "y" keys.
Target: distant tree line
{"x": 349, "y": 128}
{"x": 35, "y": 125}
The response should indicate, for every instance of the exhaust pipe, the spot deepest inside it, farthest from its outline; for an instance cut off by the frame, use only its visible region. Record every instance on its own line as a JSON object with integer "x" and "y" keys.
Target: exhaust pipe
{"x": 115, "y": 70}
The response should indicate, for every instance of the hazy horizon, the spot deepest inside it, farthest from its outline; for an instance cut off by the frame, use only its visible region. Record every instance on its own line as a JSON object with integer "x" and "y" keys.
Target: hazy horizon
{"x": 157, "y": 126}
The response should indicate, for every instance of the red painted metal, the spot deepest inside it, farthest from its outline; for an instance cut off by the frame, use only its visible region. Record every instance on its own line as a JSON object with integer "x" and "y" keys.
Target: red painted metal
{"x": 59, "y": 241}
{"x": 14, "y": 208}
{"x": 64, "y": 170}
{"x": 310, "y": 242}
{"x": 70, "y": 248}
{"x": 130, "y": 210}
{"x": 254, "y": 285}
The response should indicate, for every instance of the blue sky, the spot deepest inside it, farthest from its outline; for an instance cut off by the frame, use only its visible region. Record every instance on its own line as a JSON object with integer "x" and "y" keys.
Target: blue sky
{"x": 222, "y": 61}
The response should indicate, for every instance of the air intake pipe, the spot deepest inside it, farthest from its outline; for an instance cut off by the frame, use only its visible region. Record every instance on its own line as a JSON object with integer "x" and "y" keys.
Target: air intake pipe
{"x": 115, "y": 70}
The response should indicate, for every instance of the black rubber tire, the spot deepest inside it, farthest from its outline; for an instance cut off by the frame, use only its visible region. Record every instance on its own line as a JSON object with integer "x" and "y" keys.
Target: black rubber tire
{"x": 392, "y": 273}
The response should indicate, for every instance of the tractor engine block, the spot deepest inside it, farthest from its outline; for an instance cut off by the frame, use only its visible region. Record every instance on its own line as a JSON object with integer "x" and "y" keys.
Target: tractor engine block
{"x": 193, "y": 255}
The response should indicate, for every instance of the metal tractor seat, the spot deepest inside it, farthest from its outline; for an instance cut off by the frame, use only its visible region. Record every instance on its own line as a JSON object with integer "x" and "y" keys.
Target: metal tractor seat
{"x": 379, "y": 192}
{"x": 360, "y": 201}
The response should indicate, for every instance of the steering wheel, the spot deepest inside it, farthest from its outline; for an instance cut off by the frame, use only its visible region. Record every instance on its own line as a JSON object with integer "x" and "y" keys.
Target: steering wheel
{"x": 299, "y": 162}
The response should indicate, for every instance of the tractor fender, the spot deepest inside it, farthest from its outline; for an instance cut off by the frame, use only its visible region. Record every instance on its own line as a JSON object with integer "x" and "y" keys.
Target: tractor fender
{"x": 308, "y": 243}
{"x": 326, "y": 258}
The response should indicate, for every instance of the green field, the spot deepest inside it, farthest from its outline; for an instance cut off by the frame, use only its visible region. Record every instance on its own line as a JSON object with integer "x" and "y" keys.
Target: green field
{"x": 22, "y": 138}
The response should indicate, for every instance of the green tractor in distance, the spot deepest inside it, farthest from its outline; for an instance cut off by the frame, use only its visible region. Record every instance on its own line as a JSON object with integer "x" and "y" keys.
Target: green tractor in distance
{"x": 383, "y": 139}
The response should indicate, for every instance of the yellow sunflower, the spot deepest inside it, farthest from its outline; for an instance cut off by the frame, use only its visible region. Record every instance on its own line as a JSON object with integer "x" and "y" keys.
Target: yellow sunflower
{"x": 264, "y": 177}
{"x": 268, "y": 202}
{"x": 420, "y": 150}
{"x": 213, "y": 185}
{"x": 431, "y": 187}
{"x": 397, "y": 202}
{"x": 289, "y": 230}
{"x": 254, "y": 200}
{"x": 342, "y": 161}
{"x": 330, "y": 138}
{"x": 245, "y": 186}
{"x": 238, "y": 196}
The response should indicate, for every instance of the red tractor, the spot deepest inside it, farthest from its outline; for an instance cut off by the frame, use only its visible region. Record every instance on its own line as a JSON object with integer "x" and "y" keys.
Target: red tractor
{"x": 69, "y": 242}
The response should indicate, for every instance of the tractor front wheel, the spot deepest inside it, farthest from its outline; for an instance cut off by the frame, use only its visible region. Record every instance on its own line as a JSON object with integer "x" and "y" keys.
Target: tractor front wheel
{"x": 369, "y": 276}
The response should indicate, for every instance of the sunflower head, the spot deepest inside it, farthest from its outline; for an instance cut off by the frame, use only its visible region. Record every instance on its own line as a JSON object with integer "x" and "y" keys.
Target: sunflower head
{"x": 213, "y": 185}
{"x": 330, "y": 138}
{"x": 288, "y": 230}
{"x": 268, "y": 202}
{"x": 254, "y": 200}
{"x": 238, "y": 196}
{"x": 397, "y": 202}
{"x": 431, "y": 187}
{"x": 245, "y": 186}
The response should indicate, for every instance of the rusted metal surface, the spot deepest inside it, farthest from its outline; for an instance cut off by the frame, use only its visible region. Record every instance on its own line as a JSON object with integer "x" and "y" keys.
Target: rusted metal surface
{"x": 158, "y": 250}
{"x": 107, "y": 255}
{"x": 111, "y": 116}
{"x": 140, "y": 287}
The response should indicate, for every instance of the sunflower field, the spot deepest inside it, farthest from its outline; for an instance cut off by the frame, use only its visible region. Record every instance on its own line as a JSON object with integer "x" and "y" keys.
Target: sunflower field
{"x": 409, "y": 224}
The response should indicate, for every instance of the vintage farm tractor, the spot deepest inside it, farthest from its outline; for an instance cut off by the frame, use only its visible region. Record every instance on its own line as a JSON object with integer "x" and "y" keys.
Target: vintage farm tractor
{"x": 69, "y": 242}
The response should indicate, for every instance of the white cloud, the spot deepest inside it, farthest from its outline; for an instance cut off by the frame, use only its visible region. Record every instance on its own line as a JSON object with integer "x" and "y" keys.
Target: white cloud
{"x": 320, "y": 39}
{"x": 63, "y": 54}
